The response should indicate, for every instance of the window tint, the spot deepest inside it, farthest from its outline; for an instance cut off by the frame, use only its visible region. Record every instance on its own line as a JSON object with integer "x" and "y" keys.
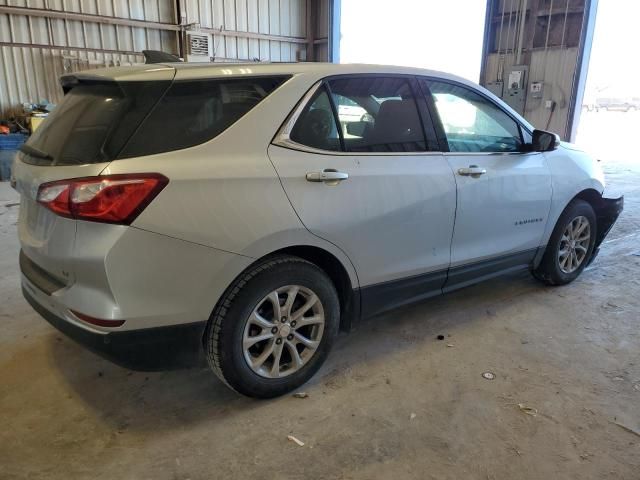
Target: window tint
{"x": 473, "y": 123}
{"x": 93, "y": 122}
{"x": 193, "y": 112}
{"x": 316, "y": 126}
{"x": 378, "y": 114}
{"x": 105, "y": 121}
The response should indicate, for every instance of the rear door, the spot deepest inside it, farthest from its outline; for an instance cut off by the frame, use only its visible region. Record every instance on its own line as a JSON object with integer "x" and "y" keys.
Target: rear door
{"x": 359, "y": 162}
{"x": 504, "y": 191}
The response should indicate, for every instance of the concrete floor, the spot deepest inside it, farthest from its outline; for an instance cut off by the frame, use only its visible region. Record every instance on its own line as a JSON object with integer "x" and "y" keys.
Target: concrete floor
{"x": 392, "y": 401}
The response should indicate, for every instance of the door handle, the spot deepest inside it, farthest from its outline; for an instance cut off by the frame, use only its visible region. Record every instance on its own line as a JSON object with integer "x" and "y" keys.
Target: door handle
{"x": 329, "y": 176}
{"x": 472, "y": 171}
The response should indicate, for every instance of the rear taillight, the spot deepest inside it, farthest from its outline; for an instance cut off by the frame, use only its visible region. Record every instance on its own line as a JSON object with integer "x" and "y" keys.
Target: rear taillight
{"x": 109, "y": 199}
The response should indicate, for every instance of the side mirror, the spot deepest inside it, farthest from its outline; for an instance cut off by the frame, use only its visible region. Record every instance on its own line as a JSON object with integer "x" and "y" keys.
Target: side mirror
{"x": 544, "y": 141}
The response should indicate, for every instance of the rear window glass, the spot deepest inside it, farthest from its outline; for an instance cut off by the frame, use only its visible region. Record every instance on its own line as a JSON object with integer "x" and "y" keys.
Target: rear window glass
{"x": 192, "y": 112}
{"x": 101, "y": 122}
{"x": 93, "y": 123}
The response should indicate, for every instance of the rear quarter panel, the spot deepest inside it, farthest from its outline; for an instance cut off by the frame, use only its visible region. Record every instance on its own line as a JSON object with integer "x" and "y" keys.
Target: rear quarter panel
{"x": 225, "y": 193}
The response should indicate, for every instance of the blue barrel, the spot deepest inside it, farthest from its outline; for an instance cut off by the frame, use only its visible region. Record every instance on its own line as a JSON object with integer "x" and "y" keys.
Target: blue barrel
{"x": 9, "y": 145}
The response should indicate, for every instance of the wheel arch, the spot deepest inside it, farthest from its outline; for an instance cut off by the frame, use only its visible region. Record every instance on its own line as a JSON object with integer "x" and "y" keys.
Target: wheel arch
{"x": 595, "y": 199}
{"x": 589, "y": 195}
{"x": 348, "y": 293}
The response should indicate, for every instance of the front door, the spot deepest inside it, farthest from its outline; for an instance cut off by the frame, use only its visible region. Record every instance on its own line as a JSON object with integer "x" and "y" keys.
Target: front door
{"x": 504, "y": 193}
{"x": 367, "y": 182}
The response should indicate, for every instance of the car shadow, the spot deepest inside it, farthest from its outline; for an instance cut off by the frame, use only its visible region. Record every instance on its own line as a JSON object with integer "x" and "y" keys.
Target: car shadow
{"x": 131, "y": 400}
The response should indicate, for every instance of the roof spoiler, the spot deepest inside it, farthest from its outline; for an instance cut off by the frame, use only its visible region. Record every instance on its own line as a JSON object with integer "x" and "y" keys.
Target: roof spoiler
{"x": 69, "y": 81}
{"x": 156, "y": 56}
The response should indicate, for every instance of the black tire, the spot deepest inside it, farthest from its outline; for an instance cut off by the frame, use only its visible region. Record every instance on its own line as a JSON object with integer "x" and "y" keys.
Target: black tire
{"x": 223, "y": 337}
{"x": 549, "y": 270}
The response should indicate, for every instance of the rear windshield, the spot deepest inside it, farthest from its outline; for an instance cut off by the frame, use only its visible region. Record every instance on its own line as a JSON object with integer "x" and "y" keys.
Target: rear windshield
{"x": 101, "y": 122}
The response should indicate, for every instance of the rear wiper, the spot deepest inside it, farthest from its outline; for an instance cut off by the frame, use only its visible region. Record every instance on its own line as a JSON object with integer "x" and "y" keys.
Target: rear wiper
{"x": 35, "y": 152}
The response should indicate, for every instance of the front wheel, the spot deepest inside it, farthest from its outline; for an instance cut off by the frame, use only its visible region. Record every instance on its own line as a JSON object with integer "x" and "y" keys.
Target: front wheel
{"x": 273, "y": 328}
{"x": 570, "y": 246}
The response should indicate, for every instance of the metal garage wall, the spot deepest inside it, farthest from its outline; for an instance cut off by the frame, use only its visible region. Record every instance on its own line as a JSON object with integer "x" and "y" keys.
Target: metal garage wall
{"x": 36, "y": 50}
{"x": 281, "y": 18}
{"x": 555, "y": 68}
{"x": 61, "y": 36}
{"x": 549, "y": 38}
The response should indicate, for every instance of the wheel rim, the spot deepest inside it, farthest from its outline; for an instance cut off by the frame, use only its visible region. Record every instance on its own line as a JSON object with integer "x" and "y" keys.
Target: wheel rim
{"x": 283, "y": 332}
{"x": 574, "y": 244}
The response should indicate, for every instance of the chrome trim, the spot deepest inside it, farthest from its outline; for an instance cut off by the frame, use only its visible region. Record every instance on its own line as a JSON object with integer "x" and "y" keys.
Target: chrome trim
{"x": 475, "y": 154}
{"x": 291, "y": 145}
{"x": 285, "y": 130}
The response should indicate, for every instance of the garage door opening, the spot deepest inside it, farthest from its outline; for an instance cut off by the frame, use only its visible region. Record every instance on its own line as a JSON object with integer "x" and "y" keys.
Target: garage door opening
{"x": 611, "y": 105}
{"x": 414, "y": 33}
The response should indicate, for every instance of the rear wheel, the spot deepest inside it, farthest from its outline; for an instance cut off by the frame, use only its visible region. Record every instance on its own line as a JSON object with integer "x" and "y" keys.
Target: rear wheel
{"x": 274, "y": 327}
{"x": 570, "y": 246}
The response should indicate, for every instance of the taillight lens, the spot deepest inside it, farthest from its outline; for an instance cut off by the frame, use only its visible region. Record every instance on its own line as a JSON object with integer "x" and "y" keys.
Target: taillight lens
{"x": 109, "y": 199}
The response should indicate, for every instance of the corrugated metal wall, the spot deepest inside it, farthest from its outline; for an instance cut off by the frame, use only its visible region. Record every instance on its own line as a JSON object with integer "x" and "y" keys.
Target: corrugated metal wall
{"x": 286, "y": 18}
{"x": 555, "y": 68}
{"x": 38, "y": 46}
{"x": 35, "y": 51}
{"x": 323, "y": 27}
{"x": 552, "y": 39}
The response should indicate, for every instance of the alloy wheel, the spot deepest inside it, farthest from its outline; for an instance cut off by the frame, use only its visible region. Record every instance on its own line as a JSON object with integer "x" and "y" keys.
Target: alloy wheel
{"x": 283, "y": 332}
{"x": 574, "y": 244}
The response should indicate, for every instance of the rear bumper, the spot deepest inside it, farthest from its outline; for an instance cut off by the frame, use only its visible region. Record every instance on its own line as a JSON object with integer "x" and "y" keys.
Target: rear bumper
{"x": 147, "y": 349}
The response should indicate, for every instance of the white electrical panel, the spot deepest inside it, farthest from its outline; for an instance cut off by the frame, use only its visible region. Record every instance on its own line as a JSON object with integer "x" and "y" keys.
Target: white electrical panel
{"x": 515, "y": 92}
{"x": 536, "y": 89}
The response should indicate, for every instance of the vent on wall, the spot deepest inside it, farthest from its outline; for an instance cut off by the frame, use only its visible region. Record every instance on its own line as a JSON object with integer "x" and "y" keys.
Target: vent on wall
{"x": 199, "y": 45}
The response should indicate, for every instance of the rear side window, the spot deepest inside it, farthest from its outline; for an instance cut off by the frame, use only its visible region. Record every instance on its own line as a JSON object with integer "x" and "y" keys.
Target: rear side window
{"x": 374, "y": 114}
{"x": 378, "y": 114}
{"x": 193, "y": 112}
{"x": 104, "y": 121}
{"x": 316, "y": 126}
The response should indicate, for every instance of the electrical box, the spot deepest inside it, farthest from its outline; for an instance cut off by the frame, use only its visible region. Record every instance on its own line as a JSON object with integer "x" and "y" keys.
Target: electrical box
{"x": 497, "y": 88}
{"x": 515, "y": 93}
{"x": 535, "y": 90}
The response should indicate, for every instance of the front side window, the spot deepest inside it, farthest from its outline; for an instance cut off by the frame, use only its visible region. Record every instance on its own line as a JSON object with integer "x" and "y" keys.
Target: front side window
{"x": 472, "y": 123}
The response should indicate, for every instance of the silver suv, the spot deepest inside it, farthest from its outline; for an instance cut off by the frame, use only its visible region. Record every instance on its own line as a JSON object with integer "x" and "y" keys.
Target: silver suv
{"x": 172, "y": 210}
